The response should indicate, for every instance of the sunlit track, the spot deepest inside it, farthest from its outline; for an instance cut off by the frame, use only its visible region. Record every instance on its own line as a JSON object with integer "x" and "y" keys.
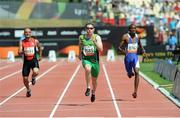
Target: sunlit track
{"x": 51, "y": 93}
{"x": 153, "y": 101}
{"x": 9, "y": 65}
{"x": 16, "y": 82}
{"x": 60, "y": 93}
{"x": 5, "y": 62}
{"x": 76, "y": 104}
{"x": 14, "y": 73}
{"x": 112, "y": 93}
{"x": 50, "y": 69}
{"x": 61, "y": 62}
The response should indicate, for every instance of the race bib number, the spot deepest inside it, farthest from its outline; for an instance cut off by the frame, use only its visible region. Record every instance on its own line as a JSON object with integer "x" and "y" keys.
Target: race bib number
{"x": 88, "y": 50}
{"x": 29, "y": 51}
{"x": 132, "y": 48}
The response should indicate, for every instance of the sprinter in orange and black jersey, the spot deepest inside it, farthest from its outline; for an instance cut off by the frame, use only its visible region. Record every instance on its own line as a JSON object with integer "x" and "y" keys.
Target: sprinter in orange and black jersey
{"x": 27, "y": 48}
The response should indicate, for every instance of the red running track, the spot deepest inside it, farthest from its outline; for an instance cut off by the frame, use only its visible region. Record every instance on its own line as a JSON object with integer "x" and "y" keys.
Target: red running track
{"x": 59, "y": 92}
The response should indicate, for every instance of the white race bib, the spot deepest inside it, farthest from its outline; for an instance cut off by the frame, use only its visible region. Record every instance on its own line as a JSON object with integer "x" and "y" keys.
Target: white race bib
{"x": 88, "y": 50}
{"x": 132, "y": 48}
{"x": 29, "y": 51}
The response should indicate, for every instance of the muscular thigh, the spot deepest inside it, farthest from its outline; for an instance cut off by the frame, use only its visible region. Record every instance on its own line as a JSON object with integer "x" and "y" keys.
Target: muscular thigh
{"x": 26, "y": 68}
{"x": 95, "y": 70}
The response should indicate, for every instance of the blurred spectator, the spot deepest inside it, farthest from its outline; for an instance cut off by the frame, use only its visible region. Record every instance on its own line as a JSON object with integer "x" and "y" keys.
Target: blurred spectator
{"x": 172, "y": 41}
{"x": 172, "y": 24}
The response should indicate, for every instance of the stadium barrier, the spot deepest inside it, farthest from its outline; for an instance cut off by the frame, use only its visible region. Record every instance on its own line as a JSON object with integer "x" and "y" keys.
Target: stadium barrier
{"x": 169, "y": 71}
{"x": 176, "y": 86}
{"x": 165, "y": 69}
{"x": 159, "y": 66}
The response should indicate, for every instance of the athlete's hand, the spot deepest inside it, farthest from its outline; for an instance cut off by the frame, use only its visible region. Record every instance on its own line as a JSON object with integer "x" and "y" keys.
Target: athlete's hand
{"x": 40, "y": 58}
{"x": 20, "y": 52}
{"x": 80, "y": 57}
{"x": 121, "y": 50}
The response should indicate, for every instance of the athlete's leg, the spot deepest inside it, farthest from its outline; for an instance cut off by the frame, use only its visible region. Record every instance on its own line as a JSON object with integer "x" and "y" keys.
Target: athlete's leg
{"x": 25, "y": 74}
{"x": 26, "y": 82}
{"x": 87, "y": 68}
{"x": 136, "y": 80}
{"x": 94, "y": 73}
{"x": 128, "y": 67}
{"x": 94, "y": 84}
{"x": 35, "y": 70}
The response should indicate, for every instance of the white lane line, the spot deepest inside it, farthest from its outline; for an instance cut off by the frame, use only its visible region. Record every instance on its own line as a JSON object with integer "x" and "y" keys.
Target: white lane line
{"x": 8, "y": 66}
{"x": 5, "y": 77}
{"x": 112, "y": 93}
{"x": 62, "y": 95}
{"x": 50, "y": 69}
{"x": 162, "y": 90}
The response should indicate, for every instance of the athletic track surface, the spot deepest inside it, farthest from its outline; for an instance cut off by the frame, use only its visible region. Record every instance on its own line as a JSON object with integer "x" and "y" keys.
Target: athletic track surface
{"x": 60, "y": 87}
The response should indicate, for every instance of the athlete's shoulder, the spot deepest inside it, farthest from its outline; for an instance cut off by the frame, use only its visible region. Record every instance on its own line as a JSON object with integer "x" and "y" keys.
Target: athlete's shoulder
{"x": 139, "y": 36}
{"x": 126, "y": 36}
{"x": 97, "y": 36}
{"x": 81, "y": 36}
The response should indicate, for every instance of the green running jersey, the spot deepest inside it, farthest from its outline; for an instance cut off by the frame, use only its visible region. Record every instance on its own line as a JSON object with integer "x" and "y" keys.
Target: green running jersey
{"x": 88, "y": 48}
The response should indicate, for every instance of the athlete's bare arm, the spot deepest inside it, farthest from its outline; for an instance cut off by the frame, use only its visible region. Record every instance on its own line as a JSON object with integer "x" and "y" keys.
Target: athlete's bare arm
{"x": 39, "y": 49}
{"x": 20, "y": 50}
{"x": 98, "y": 43}
{"x": 123, "y": 43}
{"x": 80, "y": 49}
{"x": 140, "y": 44}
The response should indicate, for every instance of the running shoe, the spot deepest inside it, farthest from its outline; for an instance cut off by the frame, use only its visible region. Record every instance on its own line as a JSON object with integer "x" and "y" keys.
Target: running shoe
{"x": 134, "y": 95}
{"x": 28, "y": 93}
{"x": 93, "y": 97}
{"x": 87, "y": 93}
{"x": 33, "y": 81}
{"x": 130, "y": 75}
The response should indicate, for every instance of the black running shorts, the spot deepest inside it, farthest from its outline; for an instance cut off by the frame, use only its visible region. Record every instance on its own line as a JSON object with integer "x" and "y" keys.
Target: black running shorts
{"x": 28, "y": 65}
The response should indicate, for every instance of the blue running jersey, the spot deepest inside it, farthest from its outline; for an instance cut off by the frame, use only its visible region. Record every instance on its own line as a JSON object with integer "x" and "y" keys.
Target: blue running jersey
{"x": 131, "y": 58}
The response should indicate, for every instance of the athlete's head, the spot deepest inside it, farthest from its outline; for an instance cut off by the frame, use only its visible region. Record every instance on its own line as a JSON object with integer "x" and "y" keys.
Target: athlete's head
{"x": 27, "y": 32}
{"x": 89, "y": 28}
{"x": 132, "y": 29}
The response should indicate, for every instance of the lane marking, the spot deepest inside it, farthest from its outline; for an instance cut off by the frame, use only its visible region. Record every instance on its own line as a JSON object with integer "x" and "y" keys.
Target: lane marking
{"x": 112, "y": 93}
{"x": 50, "y": 69}
{"x": 9, "y": 65}
{"x": 162, "y": 90}
{"x": 62, "y": 95}
{"x": 5, "y": 77}
{"x": 9, "y": 75}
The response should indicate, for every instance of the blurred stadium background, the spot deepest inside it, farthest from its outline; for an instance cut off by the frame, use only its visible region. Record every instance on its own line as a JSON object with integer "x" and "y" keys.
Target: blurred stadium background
{"x": 58, "y": 23}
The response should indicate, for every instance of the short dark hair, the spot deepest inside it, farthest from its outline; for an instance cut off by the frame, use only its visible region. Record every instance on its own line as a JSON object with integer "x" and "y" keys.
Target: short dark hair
{"x": 89, "y": 24}
{"x": 130, "y": 26}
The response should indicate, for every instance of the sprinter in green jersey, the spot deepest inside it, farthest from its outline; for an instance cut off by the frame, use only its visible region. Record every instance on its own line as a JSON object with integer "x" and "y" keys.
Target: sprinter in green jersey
{"x": 89, "y": 46}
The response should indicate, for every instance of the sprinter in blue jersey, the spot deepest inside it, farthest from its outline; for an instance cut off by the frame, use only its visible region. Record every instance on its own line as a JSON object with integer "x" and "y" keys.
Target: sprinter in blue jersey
{"x": 129, "y": 46}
